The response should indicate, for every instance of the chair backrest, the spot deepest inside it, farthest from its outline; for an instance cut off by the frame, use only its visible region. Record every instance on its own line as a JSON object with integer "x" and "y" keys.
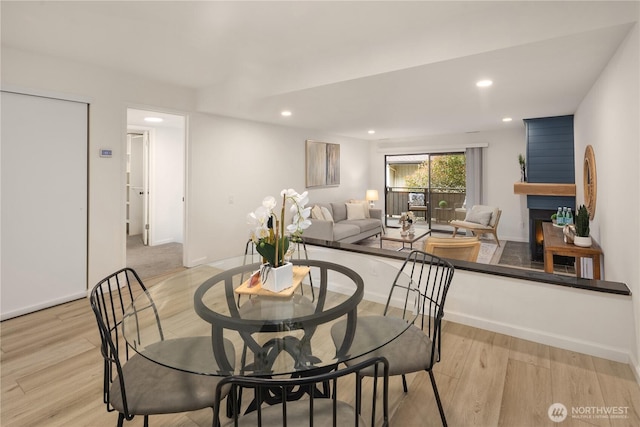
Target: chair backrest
{"x": 462, "y": 248}
{"x": 109, "y": 300}
{"x": 302, "y": 402}
{"x": 431, "y": 276}
{"x": 497, "y": 219}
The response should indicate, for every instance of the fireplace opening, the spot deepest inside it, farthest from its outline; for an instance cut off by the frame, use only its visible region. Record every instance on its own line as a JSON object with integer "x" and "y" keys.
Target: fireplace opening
{"x": 536, "y": 237}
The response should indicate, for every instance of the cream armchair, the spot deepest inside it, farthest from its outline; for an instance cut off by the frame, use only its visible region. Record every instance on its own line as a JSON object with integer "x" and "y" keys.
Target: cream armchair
{"x": 480, "y": 220}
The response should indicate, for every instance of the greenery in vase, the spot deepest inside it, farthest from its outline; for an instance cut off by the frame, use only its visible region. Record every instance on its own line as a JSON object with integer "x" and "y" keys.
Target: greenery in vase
{"x": 582, "y": 221}
{"x": 521, "y": 161}
{"x": 268, "y": 233}
{"x": 523, "y": 166}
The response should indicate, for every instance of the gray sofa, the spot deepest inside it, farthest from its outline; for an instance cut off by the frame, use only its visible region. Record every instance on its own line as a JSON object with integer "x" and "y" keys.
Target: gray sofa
{"x": 342, "y": 229}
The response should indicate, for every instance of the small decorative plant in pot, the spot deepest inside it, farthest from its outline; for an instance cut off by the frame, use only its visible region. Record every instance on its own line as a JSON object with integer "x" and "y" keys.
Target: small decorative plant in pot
{"x": 523, "y": 168}
{"x": 443, "y": 204}
{"x": 268, "y": 234}
{"x": 582, "y": 237}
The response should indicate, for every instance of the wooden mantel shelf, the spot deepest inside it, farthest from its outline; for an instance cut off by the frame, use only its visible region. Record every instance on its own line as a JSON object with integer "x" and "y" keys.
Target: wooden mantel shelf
{"x": 544, "y": 189}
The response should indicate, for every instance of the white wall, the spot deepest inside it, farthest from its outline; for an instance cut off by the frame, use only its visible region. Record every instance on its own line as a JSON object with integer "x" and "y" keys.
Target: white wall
{"x": 500, "y": 164}
{"x": 608, "y": 119}
{"x": 233, "y": 164}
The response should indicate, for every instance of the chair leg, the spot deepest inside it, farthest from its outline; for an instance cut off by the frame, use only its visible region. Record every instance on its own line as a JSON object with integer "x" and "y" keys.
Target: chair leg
{"x": 120, "y": 419}
{"x": 455, "y": 231}
{"x": 358, "y": 399}
{"x": 146, "y": 421}
{"x": 495, "y": 235}
{"x": 404, "y": 384}
{"x": 435, "y": 391}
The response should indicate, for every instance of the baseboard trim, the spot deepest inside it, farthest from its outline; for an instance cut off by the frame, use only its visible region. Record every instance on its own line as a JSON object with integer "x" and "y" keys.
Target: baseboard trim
{"x": 635, "y": 367}
{"x": 41, "y": 306}
{"x": 559, "y": 341}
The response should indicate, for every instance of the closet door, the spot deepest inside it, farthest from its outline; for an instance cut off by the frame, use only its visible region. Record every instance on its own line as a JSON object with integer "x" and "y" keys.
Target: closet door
{"x": 44, "y": 202}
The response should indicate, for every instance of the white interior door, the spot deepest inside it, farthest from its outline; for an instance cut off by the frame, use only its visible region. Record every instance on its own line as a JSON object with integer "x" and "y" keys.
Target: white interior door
{"x": 138, "y": 185}
{"x": 44, "y": 202}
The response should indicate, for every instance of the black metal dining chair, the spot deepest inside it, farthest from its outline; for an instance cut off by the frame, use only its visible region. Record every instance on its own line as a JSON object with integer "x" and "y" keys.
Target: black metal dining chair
{"x": 134, "y": 385}
{"x": 315, "y": 409}
{"x": 419, "y": 346}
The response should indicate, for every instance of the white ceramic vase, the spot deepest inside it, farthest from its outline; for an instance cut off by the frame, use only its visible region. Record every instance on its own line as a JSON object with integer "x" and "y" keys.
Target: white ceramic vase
{"x": 277, "y": 279}
{"x": 583, "y": 242}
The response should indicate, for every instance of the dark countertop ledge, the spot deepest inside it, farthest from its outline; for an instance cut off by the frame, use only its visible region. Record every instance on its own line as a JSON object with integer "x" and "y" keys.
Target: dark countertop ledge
{"x": 605, "y": 286}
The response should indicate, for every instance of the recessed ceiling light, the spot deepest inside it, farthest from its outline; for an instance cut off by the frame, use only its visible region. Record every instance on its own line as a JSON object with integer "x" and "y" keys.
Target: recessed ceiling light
{"x": 371, "y": 132}
{"x": 286, "y": 113}
{"x": 507, "y": 119}
{"x": 484, "y": 83}
{"x": 153, "y": 119}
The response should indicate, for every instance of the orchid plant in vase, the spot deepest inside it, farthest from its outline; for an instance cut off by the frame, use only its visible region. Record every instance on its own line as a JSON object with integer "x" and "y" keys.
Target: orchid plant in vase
{"x": 268, "y": 232}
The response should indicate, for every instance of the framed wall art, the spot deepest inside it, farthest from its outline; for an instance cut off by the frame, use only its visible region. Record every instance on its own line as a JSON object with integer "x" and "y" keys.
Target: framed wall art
{"x": 322, "y": 164}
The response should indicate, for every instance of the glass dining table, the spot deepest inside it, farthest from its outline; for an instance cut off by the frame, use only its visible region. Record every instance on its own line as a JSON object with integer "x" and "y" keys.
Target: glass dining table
{"x": 206, "y": 321}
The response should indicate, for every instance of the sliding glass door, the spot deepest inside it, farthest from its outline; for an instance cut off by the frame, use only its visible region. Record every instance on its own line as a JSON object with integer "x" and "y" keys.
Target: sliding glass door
{"x": 431, "y": 185}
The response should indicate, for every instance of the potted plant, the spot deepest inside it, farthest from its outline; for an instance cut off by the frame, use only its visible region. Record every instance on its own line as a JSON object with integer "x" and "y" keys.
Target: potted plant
{"x": 582, "y": 237}
{"x": 443, "y": 204}
{"x": 268, "y": 234}
{"x": 523, "y": 168}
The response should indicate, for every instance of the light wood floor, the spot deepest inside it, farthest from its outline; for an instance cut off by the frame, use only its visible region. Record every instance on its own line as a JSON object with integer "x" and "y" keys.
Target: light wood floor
{"x": 51, "y": 375}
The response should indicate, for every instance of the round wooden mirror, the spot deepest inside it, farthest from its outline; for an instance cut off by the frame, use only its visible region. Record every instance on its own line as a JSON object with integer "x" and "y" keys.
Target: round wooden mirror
{"x": 590, "y": 181}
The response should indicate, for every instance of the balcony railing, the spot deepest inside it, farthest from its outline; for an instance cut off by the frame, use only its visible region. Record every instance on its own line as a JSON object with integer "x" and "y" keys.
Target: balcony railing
{"x": 397, "y": 202}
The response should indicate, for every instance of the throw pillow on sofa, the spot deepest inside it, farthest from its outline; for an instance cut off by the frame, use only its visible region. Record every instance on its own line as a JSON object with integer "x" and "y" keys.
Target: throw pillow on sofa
{"x": 365, "y": 205}
{"x": 355, "y": 211}
{"x": 326, "y": 214}
{"x": 316, "y": 212}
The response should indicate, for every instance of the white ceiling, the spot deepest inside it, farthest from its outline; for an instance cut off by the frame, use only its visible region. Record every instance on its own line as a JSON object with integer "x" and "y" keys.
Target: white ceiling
{"x": 405, "y": 69}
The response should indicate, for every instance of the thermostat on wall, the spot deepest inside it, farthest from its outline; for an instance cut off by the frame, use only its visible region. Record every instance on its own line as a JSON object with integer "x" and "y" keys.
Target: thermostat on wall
{"x": 106, "y": 152}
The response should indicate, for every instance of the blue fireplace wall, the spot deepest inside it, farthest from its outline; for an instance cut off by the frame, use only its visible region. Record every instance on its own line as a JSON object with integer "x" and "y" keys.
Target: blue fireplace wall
{"x": 550, "y": 158}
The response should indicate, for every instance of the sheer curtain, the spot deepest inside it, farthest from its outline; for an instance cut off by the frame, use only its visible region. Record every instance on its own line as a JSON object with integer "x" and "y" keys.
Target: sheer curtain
{"x": 474, "y": 176}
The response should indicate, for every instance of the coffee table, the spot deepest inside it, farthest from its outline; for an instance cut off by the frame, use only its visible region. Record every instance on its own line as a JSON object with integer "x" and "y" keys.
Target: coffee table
{"x": 393, "y": 235}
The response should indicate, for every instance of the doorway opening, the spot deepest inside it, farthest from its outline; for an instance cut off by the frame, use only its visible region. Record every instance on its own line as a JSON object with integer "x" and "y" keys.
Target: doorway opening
{"x": 155, "y": 183}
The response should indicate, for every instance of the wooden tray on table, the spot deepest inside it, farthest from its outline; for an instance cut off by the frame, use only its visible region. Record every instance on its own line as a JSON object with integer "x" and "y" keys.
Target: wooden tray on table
{"x": 298, "y": 274}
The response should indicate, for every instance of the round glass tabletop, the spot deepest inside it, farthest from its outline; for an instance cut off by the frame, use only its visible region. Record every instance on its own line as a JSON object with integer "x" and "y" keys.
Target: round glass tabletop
{"x": 207, "y": 321}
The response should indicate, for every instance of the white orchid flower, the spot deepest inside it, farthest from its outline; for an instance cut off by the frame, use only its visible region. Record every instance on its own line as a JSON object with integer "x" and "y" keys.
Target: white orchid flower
{"x": 269, "y": 203}
{"x": 303, "y": 198}
{"x": 304, "y": 224}
{"x": 289, "y": 193}
{"x": 260, "y": 218}
{"x": 298, "y": 226}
